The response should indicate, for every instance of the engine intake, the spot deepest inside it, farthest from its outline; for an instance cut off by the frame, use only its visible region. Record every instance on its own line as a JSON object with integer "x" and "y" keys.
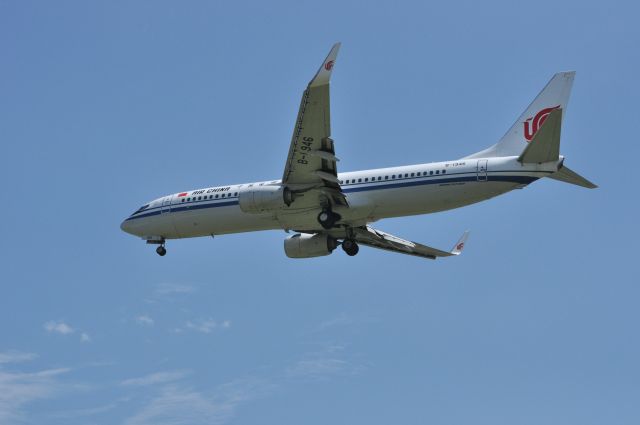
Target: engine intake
{"x": 307, "y": 246}
{"x": 261, "y": 199}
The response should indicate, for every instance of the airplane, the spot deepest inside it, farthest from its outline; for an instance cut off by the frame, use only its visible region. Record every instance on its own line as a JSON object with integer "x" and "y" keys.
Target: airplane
{"x": 328, "y": 209}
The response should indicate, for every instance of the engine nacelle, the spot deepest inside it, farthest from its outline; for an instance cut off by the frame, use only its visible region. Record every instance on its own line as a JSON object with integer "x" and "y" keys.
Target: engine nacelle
{"x": 261, "y": 199}
{"x": 307, "y": 246}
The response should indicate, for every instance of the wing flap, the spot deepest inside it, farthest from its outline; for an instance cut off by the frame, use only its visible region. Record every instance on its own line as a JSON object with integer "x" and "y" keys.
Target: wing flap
{"x": 378, "y": 239}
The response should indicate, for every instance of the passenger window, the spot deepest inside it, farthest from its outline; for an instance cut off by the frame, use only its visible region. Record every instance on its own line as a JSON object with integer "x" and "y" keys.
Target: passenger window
{"x": 217, "y": 196}
{"x": 386, "y": 177}
{"x": 366, "y": 179}
{"x": 393, "y": 176}
{"x": 437, "y": 171}
{"x": 444, "y": 171}
{"x": 406, "y": 174}
{"x": 413, "y": 174}
{"x": 182, "y": 199}
{"x": 188, "y": 199}
{"x": 359, "y": 180}
{"x": 379, "y": 178}
{"x": 431, "y": 173}
{"x": 235, "y": 194}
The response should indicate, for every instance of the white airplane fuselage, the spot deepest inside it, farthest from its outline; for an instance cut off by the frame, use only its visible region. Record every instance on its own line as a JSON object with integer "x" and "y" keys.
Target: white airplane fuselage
{"x": 328, "y": 209}
{"x": 371, "y": 195}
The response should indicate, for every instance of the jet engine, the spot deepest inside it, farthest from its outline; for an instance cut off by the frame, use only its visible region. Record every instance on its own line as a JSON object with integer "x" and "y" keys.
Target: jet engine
{"x": 307, "y": 246}
{"x": 259, "y": 199}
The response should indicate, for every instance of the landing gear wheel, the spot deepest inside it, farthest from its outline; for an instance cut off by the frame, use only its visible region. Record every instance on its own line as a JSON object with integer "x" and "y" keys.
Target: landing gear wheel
{"x": 161, "y": 251}
{"x": 350, "y": 247}
{"x": 328, "y": 219}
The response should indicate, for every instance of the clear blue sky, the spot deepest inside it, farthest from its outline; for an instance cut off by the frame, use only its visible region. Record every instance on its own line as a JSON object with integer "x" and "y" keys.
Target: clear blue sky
{"x": 105, "y": 105}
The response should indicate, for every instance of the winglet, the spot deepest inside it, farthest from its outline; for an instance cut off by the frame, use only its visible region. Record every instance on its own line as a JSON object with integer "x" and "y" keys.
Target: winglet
{"x": 459, "y": 246}
{"x": 323, "y": 75}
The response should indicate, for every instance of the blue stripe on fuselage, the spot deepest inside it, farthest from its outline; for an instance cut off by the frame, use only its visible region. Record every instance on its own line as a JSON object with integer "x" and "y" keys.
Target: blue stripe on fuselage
{"x": 472, "y": 178}
{"x": 376, "y": 185}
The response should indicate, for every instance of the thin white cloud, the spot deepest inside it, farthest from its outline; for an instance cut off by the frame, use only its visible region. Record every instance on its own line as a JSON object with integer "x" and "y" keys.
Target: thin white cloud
{"x": 90, "y": 411}
{"x": 18, "y": 389}
{"x": 13, "y": 356}
{"x": 317, "y": 369}
{"x": 174, "y": 288}
{"x": 323, "y": 365}
{"x": 84, "y": 337}
{"x": 340, "y": 320}
{"x": 144, "y": 320}
{"x": 343, "y": 320}
{"x": 59, "y": 327}
{"x": 156, "y": 378}
{"x": 178, "y": 404}
{"x": 207, "y": 325}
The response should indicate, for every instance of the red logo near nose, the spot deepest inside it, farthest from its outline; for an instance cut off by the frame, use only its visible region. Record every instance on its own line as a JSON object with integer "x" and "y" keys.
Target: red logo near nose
{"x": 532, "y": 125}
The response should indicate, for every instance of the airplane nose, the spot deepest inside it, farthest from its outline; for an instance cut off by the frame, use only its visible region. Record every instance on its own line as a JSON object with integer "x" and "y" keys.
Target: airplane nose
{"x": 126, "y": 226}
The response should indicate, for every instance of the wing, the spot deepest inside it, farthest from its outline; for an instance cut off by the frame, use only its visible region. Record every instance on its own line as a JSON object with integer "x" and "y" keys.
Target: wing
{"x": 311, "y": 163}
{"x": 378, "y": 239}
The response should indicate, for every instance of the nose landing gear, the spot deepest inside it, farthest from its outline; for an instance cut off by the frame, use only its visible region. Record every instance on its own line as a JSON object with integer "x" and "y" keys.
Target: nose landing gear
{"x": 157, "y": 240}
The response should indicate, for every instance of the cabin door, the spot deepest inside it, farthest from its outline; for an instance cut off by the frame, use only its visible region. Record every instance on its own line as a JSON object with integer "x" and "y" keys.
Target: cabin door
{"x": 482, "y": 170}
{"x": 166, "y": 205}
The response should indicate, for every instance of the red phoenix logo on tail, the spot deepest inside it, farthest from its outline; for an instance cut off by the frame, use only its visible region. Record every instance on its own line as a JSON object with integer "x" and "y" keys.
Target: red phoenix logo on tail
{"x": 531, "y": 128}
{"x": 329, "y": 65}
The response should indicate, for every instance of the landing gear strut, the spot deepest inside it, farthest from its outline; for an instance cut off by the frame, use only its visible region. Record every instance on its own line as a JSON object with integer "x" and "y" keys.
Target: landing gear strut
{"x": 350, "y": 247}
{"x": 328, "y": 218}
{"x": 157, "y": 240}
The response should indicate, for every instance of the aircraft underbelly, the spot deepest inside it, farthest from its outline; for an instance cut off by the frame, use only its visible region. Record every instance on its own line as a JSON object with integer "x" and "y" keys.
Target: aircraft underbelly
{"x": 434, "y": 198}
{"x": 219, "y": 221}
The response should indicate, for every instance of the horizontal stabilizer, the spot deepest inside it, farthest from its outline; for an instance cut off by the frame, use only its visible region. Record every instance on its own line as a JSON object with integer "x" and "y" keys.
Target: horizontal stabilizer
{"x": 545, "y": 145}
{"x": 568, "y": 176}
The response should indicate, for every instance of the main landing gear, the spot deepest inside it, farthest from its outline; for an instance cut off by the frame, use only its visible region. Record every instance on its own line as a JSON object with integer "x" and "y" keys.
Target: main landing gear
{"x": 328, "y": 218}
{"x": 350, "y": 247}
{"x": 161, "y": 250}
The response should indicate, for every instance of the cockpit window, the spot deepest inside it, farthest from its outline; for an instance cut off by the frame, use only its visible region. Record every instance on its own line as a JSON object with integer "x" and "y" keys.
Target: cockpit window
{"x": 142, "y": 208}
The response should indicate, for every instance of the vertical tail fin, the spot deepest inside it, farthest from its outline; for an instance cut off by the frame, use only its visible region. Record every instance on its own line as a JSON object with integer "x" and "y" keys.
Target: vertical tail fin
{"x": 555, "y": 95}
{"x": 545, "y": 144}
